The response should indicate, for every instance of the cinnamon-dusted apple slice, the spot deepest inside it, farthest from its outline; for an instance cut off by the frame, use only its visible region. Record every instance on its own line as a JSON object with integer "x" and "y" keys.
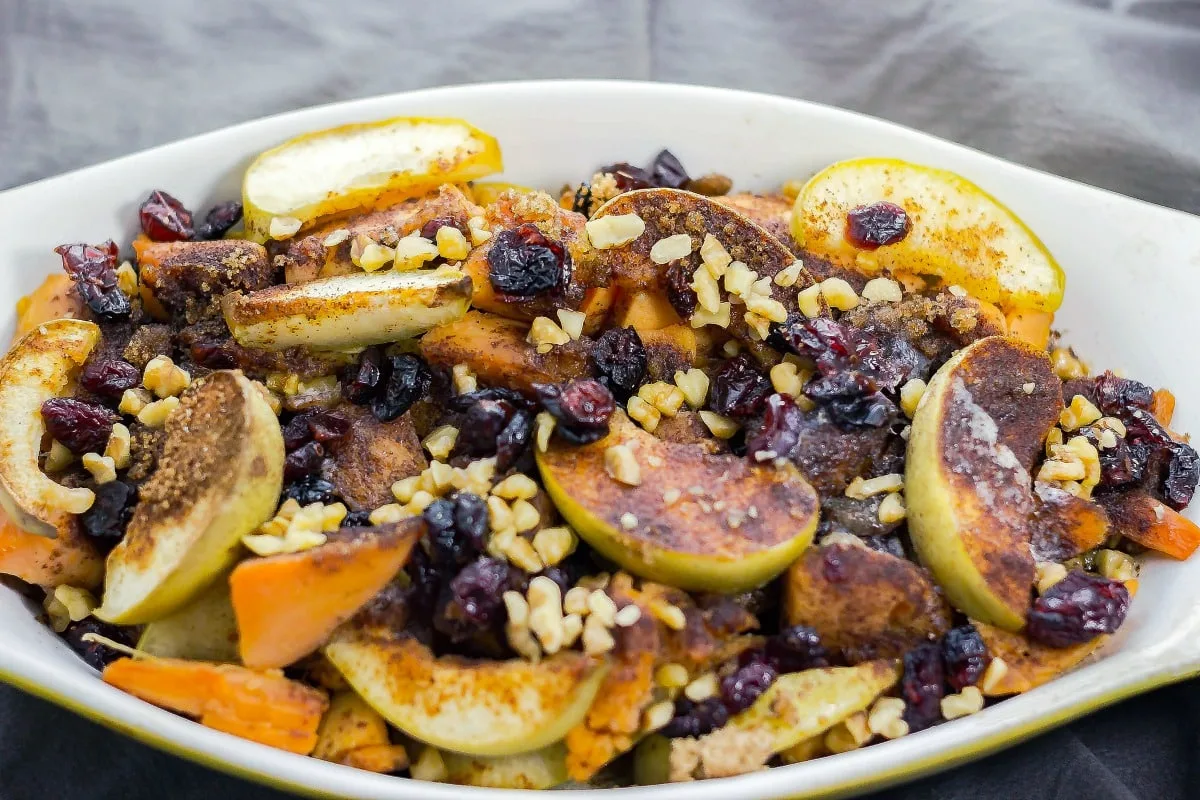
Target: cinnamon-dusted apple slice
{"x": 978, "y": 428}
{"x": 360, "y": 166}
{"x": 697, "y": 521}
{"x": 485, "y": 708}
{"x": 39, "y": 367}
{"x": 218, "y": 478}
{"x": 347, "y": 310}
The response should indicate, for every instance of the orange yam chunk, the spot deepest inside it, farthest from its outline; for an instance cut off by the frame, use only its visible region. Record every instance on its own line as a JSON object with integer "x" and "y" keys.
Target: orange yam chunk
{"x": 69, "y": 559}
{"x": 1162, "y": 406}
{"x": 56, "y": 298}
{"x": 1150, "y": 523}
{"x": 645, "y": 311}
{"x": 287, "y": 605}
{"x": 1032, "y": 326}
{"x": 262, "y": 706}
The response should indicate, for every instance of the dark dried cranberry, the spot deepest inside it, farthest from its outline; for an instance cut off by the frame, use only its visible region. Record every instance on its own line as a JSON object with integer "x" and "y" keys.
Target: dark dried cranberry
{"x": 833, "y": 568}
{"x": 666, "y": 171}
{"x": 885, "y": 544}
{"x": 923, "y": 686}
{"x": 1123, "y": 463}
{"x": 1114, "y": 394}
{"x": 677, "y": 281}
{"x": 429, "y": 229}
{"x": 213, "y": 352}
{"x": 965, "y": 656}
{"x": 739, "y": 388}
{"x": 408, "y": 381}
{"x": 93, "y": 268}
{"x": 482, "y": 426}
{"x": 696, "y": 719}
{"x": 571, "y": 570}
{"x": 514, "y": 439}
{"x": 796, "y": 649}
{"x": 1183, "y": 473}
{"x": 296, "y": 433}
{"x": 581, "y": 407}
{"x": 851, "y": 400}
{"x": 356, "y": 519}
{"x": 457, "y": 529}
{"x": 1175, "y": 464}
{"x": 472, "y": 602}
{"x": 80, "y": 427}
{"x": 780, "y": 431}
{"x": 620, "y": 359}
{"x": 361, "y": 381}
{"x": 1077, "y": 609}
{"x": 471, "y": 517}
{"x": 109, "y": 377}
{"x": 110, "y": 512}
{"x": 164, "y": 219}
{"x": 303, "y": 461}
{"x": 219, "y": 219}
{"x": 463, "y": 402}
{"x": 311, "y": 489}
{"x": 97, "y": 656}
{"x": 522, "y": 262}
{"x": 328, "y": 427}
{"x": 628, "y": 177}
{"x": 877, "y": 224}
{"x": 425, "y": 582}
{"x": 740, "y": 688}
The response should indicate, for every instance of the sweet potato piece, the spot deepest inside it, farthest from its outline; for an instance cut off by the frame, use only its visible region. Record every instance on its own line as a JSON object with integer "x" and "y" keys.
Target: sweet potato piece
{"x": 354, "y": 734}
{"x": 1065, "y": 526}
{"x": 287, "y": 605}
{"x": 372, "y": 457}
{"x": 189, "y": 278}
{"x": 1139, "y": 517}
{"x": 262, "y": 706}
{"x": 69, "y": 559}
{"x": 1030, "y": 664}
{"x": 1162, "y": 406}
{"x": 56, "y": 298}
{"x": 866, "y": 603}
{"x": 496, "y": 351}
{"x": 644, "y": 310}
{"x": 1032, "y": 326}
{"x": 596, "y": 304}
{"x": 669, "y": 349}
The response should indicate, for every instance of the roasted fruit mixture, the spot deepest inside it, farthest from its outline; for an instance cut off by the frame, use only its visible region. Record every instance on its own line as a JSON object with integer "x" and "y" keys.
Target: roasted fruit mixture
{"x": 646, "y": 480}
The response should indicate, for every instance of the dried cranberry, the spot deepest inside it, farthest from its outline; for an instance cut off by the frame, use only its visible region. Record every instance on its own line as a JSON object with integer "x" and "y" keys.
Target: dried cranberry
{"x": 740, "y": 688}
{"x": 219, "y": 219}
{"x": 361, "y": 381}
{"x": 1174, "y": 466}
{"x": 296, "y": 433}
{"x": 677, "y": 281}
{"x": 311, "y": 489}
{"x": 97, "y": 656}
{"x": 620, "y": 359}
{"x": 109, "y": 515}
{"x": 425, "y": 582}
{"x": 408, "y": 381}
{"x": 851, "y": 401}
{"x": 93, "y": 268}
{"x": 472, "y": 602}
{"x": 1077, "y": 609}
{"x": 304, "y": 460}
{"x": 463, "y": 402}
{"x": 571, "y": 570}
{"x": 522, "y": 262}
{"x": 1183, "y": 473}
{"x": 965, "y": 656}
{"x": 457, "y": 528}
{"x": 356, "y": 519}
{"x": 739, "y": 388}
{"x": 481, "y": 428}
{"x": 164, "y": 219}
{"x": 796, "y": 649}
{"x": 877, "y": 224}
{"x": 628, "y": 177}
{"x": 696, "y": 719}
{"x": 109, "y": 377}
{"x": 833, "y": 568}
{"x": 885, "y": 544}
{"x": 80, "y": 427}
{"x": 1114, "y": 395}
{"x": 512, "y": 442}
{"x": 581, "y": 407}
{"x": 213, "y": 352}
{"x": 471, "y": 517}
{"x": 923, "y": 686}
{"x": 429, "y": 229}
{"x": 664, "y": 171}
{"x": 780, "y": 431}
{"x": 328, "y": 427}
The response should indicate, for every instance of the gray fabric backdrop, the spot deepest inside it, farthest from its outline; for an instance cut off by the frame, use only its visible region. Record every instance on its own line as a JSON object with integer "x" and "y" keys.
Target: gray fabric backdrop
{"x": 1105, "y": 91}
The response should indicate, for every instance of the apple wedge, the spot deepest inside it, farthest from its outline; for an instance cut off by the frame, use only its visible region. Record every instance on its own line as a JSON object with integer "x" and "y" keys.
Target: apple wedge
{"x": 667, "y": 529}
{"x": 976, "y": 432}
{"x": 347, "y": 310}
{"x": 204, "y": 629}
{"x": 541, "y": 769}
{"x": 958, "y": 231}
{"x": 482, "y": 708}
{"x": 218, "y": 478}
{"x": 360, "y": 166}
{"x": 39, "y": 367}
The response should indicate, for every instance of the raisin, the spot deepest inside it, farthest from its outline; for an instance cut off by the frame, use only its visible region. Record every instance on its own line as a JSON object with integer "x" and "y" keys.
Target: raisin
{"x": 780, "y": 431}
{"x": 620, "y": 359}
{"x": 739, "y": 388}
{"x": 311, "y": 489}
{"x": 471, "y": 603}
{"x": 97, "y": 656}
{"x": 93, "y": 268}
{"x": 481, "y": 428}
{"x": 361, "y": 381}
{"x": 581, "y": 407}
{"x": 677, "y": 282}
{"x": 328, "y": 427}
{"x": 164, "y": 219}
{"x": 219, "y": 219}
{"x": 1077, "y": 609}
{"x": 965, "y": 656}
{"x": 513, "y": 440}
{"x": 871, "y": 226}
{"x": 522, "y": 262}
{"x": 429, "y": 229}
{"x": 696, "y": 719}
{"x": 356, "y": 519}
{"x": 303, "y": 461}
{"x": 796, "y": 649}
{"x": 923, "y": 686}
{"x": 740, "y": 688}
{"x": 109, "y": 515}
{"x": 408, "y": 381}
{"x": 80, "y": 427}
{"x": 471, "y": 518}
{"x": 109, "y": 377}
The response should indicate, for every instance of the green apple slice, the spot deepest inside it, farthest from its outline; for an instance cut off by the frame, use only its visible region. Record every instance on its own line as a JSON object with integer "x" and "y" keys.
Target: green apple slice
{"x": 203, "y": 630}
{"x": 540, "y": 769}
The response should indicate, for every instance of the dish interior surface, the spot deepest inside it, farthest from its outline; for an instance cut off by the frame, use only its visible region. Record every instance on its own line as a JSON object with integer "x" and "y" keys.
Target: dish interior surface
{"x": 1132, "y": 289}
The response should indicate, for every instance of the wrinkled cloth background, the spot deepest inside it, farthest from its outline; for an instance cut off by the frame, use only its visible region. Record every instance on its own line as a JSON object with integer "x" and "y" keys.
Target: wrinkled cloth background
{"x": 1104, "y": 91}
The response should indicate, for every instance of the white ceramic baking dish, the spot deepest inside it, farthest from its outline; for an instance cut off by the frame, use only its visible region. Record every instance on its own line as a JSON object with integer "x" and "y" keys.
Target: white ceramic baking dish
{"x": 1132, "y": 296}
